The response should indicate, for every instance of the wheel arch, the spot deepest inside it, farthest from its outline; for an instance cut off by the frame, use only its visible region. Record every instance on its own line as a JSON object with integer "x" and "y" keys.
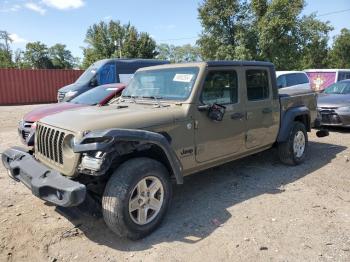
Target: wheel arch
{"x": 296, "y": 114}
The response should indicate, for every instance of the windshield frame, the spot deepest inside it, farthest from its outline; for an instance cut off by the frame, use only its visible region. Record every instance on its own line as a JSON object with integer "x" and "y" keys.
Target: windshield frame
{"x": 156, "y": 98}
{"x": 95, "y": 66}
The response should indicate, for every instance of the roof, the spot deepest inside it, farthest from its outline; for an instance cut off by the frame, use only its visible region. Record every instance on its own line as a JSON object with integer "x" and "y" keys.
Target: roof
{"x": 238, "y": 63}
{"x": 210, "y": 64}
{"x": 136, "y": 61}
{"x": 278, "y": 73}
{"x": 325, "y": 70}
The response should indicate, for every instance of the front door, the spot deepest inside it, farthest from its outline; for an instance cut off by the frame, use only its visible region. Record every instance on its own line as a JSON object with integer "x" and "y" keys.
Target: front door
{"x": 218, "y": 139}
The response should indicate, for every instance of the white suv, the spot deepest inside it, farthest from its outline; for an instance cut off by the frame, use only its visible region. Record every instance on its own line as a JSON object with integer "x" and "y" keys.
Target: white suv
{"x": 292, "y": 80}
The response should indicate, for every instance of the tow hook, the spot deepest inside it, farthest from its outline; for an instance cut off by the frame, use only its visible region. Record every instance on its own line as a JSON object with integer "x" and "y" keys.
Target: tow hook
{"x": 322, "y": 133}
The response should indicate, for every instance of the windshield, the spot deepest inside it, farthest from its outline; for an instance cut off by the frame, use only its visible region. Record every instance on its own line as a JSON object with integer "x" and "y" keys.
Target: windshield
{"x": 90, "y": 72}
{"x": 338, "y": 88}
{"x": 169, "y": 84}
{"x": 94, "y": 96}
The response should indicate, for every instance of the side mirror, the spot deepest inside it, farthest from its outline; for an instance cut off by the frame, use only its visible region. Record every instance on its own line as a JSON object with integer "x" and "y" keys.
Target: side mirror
{"x": 93, "y": 82}
{"x": 279, "y": 86}
{"x": 216, "y": 112}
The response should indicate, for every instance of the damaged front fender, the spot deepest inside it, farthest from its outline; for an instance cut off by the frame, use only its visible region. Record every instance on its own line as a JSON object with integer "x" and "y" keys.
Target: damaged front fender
{"x": 108, "y": 141}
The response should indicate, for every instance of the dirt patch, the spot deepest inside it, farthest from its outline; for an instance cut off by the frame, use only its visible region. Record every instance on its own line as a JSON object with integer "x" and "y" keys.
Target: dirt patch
{"x": 254, "y": 209}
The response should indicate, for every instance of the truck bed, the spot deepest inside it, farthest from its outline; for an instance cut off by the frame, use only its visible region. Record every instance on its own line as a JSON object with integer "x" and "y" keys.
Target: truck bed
{"x": 299, "y": 98}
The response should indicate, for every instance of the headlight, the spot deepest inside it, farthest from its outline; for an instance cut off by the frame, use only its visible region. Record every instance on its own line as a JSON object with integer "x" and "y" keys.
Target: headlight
{"x": 33, "y": 126}
{"x": 344, "y": 109}
{"x": 70, "y": 94}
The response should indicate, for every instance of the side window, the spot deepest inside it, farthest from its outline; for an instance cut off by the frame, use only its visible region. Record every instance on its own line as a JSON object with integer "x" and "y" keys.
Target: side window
{"x": 292, "y": 79}
{"x": 257, "y": 84}
{"x": 281, "y": 81}
{"x": 303, "y": 79}
{"x": 296, "y": 79}
{"x": 107, "y": 74}
{"x": 220, "y": 87}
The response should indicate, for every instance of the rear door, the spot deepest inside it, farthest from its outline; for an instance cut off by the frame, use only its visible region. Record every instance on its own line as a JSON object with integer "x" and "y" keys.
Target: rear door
{"x": 262, "y": 108}
{"x": 218, "y": 139}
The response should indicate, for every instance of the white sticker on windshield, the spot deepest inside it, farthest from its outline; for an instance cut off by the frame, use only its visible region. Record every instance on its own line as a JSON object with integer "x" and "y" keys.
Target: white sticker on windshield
{"x": 183, "y": 78}
{"x": 112, "y": 88}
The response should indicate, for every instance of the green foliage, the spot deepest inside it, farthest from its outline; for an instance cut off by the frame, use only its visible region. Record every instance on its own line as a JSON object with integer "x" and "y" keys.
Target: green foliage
{"x": 340, "y": 53}
{"x": 37, "y": 56}
{"x": 116, "y": 40}
{"x": 177, "y": 54}
{"x": 61, "y": 58}
{"x": 278, "y": 33}
{"x": 314, "y": 42}
{"x": 5, "y": 50}
{"x": 227, "y": 31}
{"x": 271, "y": 30}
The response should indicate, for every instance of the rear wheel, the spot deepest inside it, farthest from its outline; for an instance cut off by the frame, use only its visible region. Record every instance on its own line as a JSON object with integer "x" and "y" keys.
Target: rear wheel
{"x": 136, "y": 198}
{"x": 293, "y": 151}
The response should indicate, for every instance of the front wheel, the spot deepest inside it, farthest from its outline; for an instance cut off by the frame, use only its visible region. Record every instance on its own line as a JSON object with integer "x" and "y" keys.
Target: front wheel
{"x": 293, "y": 151}
{"x": 136, "y": 198}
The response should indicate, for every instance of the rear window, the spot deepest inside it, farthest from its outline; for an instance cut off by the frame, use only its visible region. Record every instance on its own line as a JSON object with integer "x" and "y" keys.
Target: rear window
{"x": 343, "y": 75}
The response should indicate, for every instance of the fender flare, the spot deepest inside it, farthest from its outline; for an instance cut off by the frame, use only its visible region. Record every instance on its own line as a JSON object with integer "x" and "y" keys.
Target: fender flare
{"x": 287, "y": 121}
{"x": 105, "y": 140}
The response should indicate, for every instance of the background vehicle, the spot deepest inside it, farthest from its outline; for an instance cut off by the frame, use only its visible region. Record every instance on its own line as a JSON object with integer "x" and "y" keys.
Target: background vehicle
{"x": 322, "y": 78}
{"x": 100, "y": 95}
{"x": 103, "y": 72}
{"x": 292, "y": 80}
{"x": 334, "y": 104}
{"x": 171, "y": 121}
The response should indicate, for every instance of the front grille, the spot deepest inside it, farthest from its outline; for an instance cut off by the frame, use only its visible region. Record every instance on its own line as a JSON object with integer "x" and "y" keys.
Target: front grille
{"x": 49, "y": 143}
{"x": 60, "y": 96}
{"x": 330, "y": 119}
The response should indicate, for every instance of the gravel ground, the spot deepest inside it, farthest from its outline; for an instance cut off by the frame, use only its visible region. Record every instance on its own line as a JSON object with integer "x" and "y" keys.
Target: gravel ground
{"x": 254, "y": 209}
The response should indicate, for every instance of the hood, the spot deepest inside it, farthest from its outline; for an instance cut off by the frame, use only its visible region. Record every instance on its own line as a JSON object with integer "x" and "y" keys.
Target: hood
{"x": 333, "y": 100}
{"x": 71, "y": 87}
{"x": 43, "y": 111}
{"x": 126, "y": 115}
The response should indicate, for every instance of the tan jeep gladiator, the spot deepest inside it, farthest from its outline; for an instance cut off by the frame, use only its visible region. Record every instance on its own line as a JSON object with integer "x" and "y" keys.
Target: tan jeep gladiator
{"x": 171, "y": 121}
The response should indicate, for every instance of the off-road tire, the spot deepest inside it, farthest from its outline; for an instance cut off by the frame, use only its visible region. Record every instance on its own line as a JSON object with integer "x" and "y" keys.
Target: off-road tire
{"x": 286, "y": 149}
{"x": 115, "y": 199}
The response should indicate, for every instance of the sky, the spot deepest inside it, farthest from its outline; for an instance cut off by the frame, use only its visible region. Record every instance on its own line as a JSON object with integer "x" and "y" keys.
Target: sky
{"x": 167, "y": 21}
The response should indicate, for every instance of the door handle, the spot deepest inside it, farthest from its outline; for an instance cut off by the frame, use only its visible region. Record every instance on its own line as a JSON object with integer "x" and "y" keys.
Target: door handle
{"x": 267, "y": 110}
{"x": 237, "y": 116}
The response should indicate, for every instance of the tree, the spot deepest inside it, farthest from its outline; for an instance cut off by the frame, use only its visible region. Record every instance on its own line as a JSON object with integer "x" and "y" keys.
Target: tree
{"x": 340, "y": 53}
{"x": 61, "y": 58}
{"x": 37, "y": 56}
{"x": 116, "y": 40}
{"x": 278, "y": 33}
{"x": 177, "y": 54}
{"x": 227, "y": 30}
{"x": 314, "y": 42}
{"x": 5, "y": 50}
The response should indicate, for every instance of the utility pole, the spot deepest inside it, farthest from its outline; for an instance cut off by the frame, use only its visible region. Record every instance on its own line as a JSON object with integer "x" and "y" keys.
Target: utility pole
{"x": 119, "y": 46}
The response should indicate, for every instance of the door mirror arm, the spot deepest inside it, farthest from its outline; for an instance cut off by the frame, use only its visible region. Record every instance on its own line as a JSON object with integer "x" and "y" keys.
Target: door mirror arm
{"x": 203, "y": 108}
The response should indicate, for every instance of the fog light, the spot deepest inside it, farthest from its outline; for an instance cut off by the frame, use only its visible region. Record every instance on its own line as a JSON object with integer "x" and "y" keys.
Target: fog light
{"x": 91, "y": 163}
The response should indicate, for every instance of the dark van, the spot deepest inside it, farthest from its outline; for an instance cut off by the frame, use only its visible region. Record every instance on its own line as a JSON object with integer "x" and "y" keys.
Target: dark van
{"x": 103, "y": 72}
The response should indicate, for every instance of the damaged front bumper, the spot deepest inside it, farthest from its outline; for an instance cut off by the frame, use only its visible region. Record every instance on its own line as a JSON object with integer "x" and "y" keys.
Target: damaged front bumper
{"x": 44, "y": 183}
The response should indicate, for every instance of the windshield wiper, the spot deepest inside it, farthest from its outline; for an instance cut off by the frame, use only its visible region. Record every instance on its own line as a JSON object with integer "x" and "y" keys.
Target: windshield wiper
{"x": 132, "y": 97}
{"x": 155, "y": 98}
